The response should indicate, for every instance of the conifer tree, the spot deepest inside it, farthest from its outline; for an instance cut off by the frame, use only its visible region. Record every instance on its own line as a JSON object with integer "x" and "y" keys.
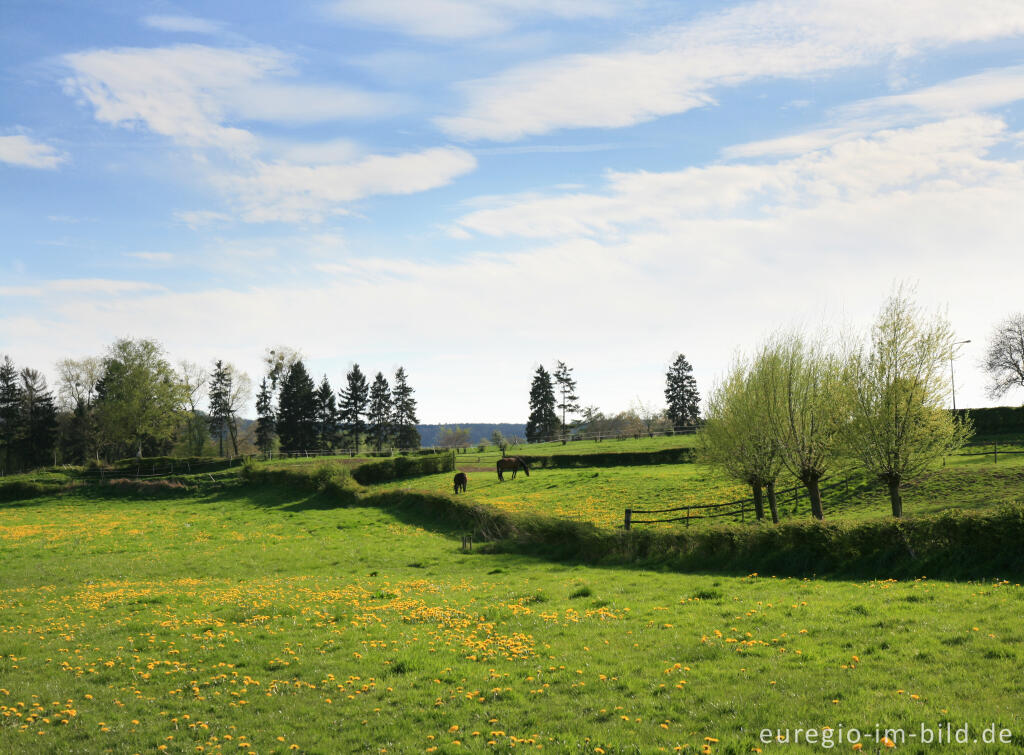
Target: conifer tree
{"x": 296, "y": 410}
{"x": 266, "y": 422}
{"x": 681, "y": 394}
{"x": 326, "y": 415}
{"x": 38, "y": 421}
{"x": 10, "y": 415}
{"x": 542, "y": 422}
{"x": 403, "y": 418}
{"x": 379, "y": 415}
{"x": 565, "y": 386}
{"x": 352, "y": 410}
{"x": 220, "y": 402}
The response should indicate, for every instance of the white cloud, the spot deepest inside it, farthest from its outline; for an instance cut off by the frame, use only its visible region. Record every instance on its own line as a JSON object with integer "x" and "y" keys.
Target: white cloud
{"x": 291, "y": 192}
{"x": 462, "y": 19}
{"x": 950, "y": 154}
{"x": 196, "y": 95}
{"x": 20, "y": 150}
{"x": 201, "y": 218}
{"x": 182, "y": 24}
{"x": 679, "y": 69}
{"x": 964, "y": 95}
{"x": 88, "y": 286}
{"x": 158, "y": 257}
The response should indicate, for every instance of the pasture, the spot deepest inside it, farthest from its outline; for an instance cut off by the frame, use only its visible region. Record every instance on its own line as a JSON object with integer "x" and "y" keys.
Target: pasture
{"x": 600, "y": 495}
{"x": 266, "y": 620}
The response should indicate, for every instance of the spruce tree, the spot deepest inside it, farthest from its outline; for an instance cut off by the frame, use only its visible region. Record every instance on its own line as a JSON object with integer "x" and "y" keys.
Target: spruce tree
{"x": 379, "y": 415}
{"x": 266, "y": 422}
{"x": 403, "y": 418}
{"x": 681, "y": 394}
{"x": 38, "y": 420}
{"x": 296, "y": 410}
{"x": 10, "y": 415}
{"x": 220, "y": 402}
{"x": 542, "y": 422}
{"x": 326, "y": 415}
{"x": 565, "y": 386}
{"x": 355, "y": 397}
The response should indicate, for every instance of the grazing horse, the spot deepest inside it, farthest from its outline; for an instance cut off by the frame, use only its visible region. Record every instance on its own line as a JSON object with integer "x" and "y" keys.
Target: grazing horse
{"x": 514, "y": 463}
{"x": 460, "y": 482}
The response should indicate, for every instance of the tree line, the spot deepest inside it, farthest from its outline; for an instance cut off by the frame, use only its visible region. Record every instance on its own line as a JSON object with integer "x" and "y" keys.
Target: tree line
{"x": 553, "y": 402}
{"x": 132, "y": 402}
{"x": 806, "y": 405}
{"x": 297, "y": 415}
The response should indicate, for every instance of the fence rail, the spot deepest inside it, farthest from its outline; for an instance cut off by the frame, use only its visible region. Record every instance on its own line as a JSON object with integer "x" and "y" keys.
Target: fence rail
{"x": 740, "y": 506}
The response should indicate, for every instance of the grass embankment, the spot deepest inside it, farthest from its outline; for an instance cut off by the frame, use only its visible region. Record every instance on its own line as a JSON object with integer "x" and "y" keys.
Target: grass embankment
{"x": 271, "y": 620}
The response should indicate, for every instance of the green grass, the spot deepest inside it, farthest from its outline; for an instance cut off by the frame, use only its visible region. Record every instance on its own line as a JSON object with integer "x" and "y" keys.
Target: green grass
{"x": 601, "y": 495}
{"x": 271, "y": 618}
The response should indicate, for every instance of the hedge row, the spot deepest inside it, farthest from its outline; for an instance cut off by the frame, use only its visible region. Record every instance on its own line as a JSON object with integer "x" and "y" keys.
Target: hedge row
{"x": 612, "y": 459}
{"x": 952, "y": 545}
{"x": 996, "y": 419}
{"x": 402, "y": 466}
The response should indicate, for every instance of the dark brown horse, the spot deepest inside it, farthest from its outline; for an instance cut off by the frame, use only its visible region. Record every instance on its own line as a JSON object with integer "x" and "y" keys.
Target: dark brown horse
{"x": 514, "y": 463}
{"x": 460, "y": 482}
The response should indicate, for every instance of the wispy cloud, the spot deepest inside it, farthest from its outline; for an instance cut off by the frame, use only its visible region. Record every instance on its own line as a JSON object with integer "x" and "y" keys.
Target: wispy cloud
{"x": 189, "y": 24}
{"x": 463, "y": 19}
{"x": 88, "y": 286}
{"x": 196, "y": 95}
{"x": 679, "y": 69}
{"x": 159, "y": 257}
{"x": 22, "y": 151}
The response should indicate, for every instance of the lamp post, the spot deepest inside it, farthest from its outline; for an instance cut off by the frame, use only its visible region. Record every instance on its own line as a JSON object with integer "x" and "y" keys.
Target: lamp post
{"x": 952, "y": 380}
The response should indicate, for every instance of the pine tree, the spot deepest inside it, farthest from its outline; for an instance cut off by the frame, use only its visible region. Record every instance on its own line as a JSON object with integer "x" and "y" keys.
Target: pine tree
{"x": 220, "y": 401}
{"x": 403, "y": 418}
{"x": 378, "y": 417}
{"x": 266, "y": 422}
{"x": 355, "y": 397}
{"x": 542, "y": 422}
{"x": 681, "y": 394}
{"x": 296, "y": 410}
{"x": 326, "y": 415}
{"x": 39, "y": 420}
{"x": 565, "y": 386}
{"x": 10, "y": 415}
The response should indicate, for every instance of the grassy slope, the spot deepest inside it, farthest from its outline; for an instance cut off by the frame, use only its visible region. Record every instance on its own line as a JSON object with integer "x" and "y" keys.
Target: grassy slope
{"x": 273, "y": 619}
{"x": 601, "y": 495}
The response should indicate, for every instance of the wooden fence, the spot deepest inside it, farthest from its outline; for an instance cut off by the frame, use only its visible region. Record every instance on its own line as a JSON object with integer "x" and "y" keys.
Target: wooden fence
{"x": 737, "y": 509}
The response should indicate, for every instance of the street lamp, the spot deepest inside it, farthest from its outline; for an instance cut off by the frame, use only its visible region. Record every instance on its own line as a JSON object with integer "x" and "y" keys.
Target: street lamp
{"x": 952, "y": 380}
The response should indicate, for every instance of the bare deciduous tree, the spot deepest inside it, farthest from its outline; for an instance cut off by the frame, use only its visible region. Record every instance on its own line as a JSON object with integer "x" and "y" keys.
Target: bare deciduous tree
{"x": 1004, "y": 360}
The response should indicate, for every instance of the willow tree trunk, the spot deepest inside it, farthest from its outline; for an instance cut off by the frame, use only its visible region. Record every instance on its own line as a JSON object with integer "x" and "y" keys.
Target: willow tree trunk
{"x": 894, "y": 496}
{"x": 758, "y": 500}
{"x": 771, "y": 502}
{"x": 810, "y": 481}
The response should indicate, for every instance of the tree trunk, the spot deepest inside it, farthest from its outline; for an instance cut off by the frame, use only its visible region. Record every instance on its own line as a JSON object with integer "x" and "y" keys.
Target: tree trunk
{"x": 811, "y": 483}
{"x": 894, "y": 496}
{"x": 758, "y": 500}
{"x": 771, "y": 502}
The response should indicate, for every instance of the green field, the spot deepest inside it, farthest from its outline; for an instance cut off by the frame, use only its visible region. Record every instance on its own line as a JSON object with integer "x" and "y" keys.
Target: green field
{"x": 264, "y": 620}
{"x": 601, "y": 495}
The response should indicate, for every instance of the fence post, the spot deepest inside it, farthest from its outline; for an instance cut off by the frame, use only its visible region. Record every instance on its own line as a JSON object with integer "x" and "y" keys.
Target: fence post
{"x": 687, "y": 516}
{"x": 995, "y": 453}
{"x": 629, "y": 518}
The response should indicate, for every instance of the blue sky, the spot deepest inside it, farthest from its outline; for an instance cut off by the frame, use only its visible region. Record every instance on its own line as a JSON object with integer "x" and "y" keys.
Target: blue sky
{"x": 469, "y": 189}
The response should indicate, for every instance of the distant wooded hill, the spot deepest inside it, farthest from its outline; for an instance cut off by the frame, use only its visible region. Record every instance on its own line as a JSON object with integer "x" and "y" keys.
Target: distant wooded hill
{"x": 429, "y": 433}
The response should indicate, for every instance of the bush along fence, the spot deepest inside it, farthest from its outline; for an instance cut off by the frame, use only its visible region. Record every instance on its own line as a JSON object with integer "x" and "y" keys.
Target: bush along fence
{"x": 375, "y": 472}
{"x": 738, "y": 509}
{"x": 995, "y": 419}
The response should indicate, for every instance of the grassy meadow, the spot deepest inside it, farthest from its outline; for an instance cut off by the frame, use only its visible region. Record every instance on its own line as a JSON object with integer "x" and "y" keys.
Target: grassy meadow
{"x": 266, "y": 620}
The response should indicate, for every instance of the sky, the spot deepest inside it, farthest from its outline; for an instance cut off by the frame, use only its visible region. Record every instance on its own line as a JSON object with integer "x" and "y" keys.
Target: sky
{"x": 472, "y": 188}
